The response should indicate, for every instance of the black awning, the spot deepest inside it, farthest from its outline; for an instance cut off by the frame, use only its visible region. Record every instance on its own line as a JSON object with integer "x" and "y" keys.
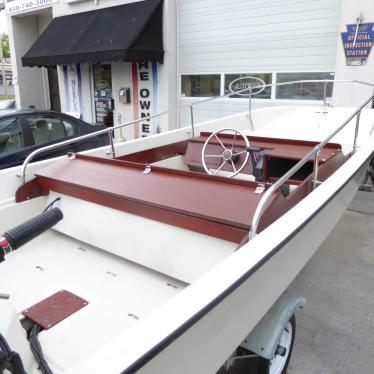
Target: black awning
{"x": 131, "y": 32}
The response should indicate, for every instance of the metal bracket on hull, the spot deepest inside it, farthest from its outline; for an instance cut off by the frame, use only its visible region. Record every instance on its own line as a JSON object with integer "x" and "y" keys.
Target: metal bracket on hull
{"x": 264, "y": 338}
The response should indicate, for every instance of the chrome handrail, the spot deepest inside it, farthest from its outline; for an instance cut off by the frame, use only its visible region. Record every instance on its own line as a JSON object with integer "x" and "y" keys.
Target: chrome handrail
{"x": 109, "y": 130}
{"x": 314, "y": 152}
{"x": 284, "y": 84}
{"x": 250, "y": 89}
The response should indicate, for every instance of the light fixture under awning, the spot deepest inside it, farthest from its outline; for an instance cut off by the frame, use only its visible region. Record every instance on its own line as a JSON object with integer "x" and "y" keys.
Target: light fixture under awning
{"x": 130, "y": 32}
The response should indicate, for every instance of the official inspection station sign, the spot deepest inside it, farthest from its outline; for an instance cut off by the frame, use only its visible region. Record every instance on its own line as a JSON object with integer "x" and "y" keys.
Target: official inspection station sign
{"x": 18, "y": 6}
{"x": 357, "y": 42}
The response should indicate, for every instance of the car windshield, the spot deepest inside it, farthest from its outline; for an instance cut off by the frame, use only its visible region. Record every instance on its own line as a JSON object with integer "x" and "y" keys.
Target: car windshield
{"x": 6, "y": 104}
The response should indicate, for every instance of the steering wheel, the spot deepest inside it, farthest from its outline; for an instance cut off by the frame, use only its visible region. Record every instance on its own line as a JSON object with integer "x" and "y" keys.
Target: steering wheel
{"x": 228, "y": 154}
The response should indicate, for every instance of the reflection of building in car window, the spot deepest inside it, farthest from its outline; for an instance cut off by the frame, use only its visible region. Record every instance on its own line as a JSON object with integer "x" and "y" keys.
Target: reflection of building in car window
{"x": 69, "y": 128}
{"x": 10, "y": 136}
{"x": 41, "y": 132}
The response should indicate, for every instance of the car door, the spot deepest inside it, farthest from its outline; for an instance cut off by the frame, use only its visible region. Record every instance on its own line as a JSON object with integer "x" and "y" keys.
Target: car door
{"x": 13, "y": 145}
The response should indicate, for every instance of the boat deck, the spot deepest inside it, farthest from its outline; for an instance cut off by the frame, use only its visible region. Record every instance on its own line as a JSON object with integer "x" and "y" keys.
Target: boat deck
{"x": 118, "y": 292}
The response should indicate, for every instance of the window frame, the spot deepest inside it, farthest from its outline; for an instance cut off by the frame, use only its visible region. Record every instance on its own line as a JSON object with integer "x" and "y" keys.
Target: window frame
{"x": 274, "y": 80}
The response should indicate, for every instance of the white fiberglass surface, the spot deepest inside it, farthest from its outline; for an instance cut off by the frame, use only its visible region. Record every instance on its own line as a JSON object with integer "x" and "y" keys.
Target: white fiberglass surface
{"x": 312, "y": 124}
{"x": 171, "y": 250}
{"x": 119, "y": 293}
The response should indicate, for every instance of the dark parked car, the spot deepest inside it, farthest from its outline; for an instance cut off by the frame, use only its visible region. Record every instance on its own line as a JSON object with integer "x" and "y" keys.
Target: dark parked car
{"x": 23, "y": 131}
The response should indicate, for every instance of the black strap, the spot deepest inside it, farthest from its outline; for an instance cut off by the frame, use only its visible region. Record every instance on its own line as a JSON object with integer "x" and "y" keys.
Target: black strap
{"x": 9, "y": 360}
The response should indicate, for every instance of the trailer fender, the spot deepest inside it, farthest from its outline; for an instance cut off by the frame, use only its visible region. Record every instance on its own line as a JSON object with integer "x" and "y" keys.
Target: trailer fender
{"x": 264, "y": 338}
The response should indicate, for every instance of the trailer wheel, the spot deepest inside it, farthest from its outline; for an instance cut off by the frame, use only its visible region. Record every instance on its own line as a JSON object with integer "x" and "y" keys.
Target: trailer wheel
{"x": 279, "y": 364}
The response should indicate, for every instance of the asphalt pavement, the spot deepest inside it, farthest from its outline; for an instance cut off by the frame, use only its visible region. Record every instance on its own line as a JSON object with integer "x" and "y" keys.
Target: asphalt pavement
{"x": 335, "y": 331}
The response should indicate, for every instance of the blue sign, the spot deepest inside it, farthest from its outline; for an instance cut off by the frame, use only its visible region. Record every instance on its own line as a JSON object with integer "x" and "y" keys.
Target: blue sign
{"x": 357, "y": 42}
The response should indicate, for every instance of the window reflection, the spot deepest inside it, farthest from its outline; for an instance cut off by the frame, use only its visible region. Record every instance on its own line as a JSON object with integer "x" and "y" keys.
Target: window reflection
{"x": 201, "y": 85}
{"x": 303, "y": 91}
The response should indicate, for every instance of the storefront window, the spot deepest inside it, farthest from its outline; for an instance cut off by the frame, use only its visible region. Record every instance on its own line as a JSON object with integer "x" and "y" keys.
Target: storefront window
{"x": 201, "y": 85}
{"x": 303, "y": 91}
{"x": 102, "y": 78}
{"x": 238, "y": 82}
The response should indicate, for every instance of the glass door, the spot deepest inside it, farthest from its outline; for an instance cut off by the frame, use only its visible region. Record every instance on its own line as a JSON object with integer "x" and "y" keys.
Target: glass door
{"x": 104, "y": 103}
{"x": 54, "y": 90}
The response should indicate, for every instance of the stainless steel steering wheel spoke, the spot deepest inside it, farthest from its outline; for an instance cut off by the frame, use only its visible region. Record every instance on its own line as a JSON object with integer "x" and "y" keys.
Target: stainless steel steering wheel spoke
{"x": 223, "y": 163}
{"x": 239, "y": 153}
{"x": 213, "y": 156}
{"x": 220, "y": 142}
{"x": 233, "y": 166}
{"x": 233, "y": 143}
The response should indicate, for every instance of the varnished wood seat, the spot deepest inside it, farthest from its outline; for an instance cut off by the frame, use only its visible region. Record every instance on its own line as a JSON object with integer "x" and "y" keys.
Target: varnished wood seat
{"x": 215, "y": 206}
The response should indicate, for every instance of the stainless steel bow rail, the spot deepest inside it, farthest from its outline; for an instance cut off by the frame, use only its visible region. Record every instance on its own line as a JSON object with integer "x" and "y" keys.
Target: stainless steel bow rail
{"x": 263, "y": 86}
{"x": 110, "y": 130}
{"x": 314, "y": 152}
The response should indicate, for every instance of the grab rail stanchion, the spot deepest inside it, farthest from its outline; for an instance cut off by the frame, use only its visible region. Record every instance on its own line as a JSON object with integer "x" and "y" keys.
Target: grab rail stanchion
{"x": 315, "y": 170}
{"x": 110, "y": 135}
{"x": 356, "y": 131}
{"x": 250, "y": 109}
{"x": 192, "y": 121}
{"x": 325, "y": 97}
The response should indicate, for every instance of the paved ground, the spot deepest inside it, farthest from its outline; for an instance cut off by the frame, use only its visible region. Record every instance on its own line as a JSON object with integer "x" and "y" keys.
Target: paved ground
{"x": 335, "y": 331}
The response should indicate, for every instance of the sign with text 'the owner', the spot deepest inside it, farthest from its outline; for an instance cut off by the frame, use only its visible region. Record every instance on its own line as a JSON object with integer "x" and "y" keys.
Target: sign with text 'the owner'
{"x": 145, "y": 98}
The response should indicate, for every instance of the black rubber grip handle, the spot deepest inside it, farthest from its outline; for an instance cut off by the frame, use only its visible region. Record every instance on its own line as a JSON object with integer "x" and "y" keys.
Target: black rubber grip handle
{"x": 32, "y": 228}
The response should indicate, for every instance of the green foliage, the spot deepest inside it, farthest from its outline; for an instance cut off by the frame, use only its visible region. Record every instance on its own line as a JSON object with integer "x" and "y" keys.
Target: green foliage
{"x": 5, "y": 43}
{"x": 7, "y": 97}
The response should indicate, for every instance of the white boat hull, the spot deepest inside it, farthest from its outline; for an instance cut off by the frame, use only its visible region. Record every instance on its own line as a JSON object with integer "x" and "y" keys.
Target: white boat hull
{"x": 261, "y": 289}
{"x": 250, "y": 282}
{"x": 196, "y": 329}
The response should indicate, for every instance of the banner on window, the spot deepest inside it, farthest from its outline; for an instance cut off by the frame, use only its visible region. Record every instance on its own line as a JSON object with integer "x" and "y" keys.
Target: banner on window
{"x": 73, "y": 88}
{"x": 145, "y": 97}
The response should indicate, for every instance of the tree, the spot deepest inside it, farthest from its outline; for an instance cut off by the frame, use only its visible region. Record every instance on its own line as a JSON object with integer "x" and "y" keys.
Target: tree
{"x": 5, "y": 44}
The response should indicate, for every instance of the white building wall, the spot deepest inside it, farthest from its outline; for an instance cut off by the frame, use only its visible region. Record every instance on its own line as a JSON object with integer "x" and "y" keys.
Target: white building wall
{"x": 30, "y": 86}
{"x": 241, "y": 36}
{"x": 353, "y": 94}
